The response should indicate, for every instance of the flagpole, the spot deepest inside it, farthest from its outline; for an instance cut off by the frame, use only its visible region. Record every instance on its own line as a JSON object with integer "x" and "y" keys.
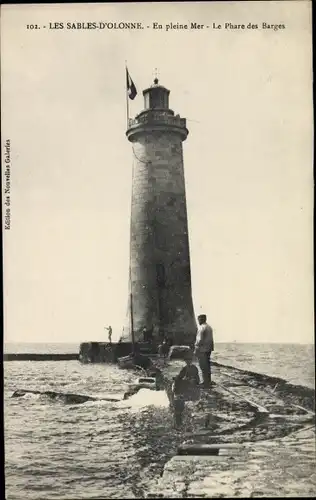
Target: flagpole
{"x": 130, "y": 249}
{"x": 127, "y": 101}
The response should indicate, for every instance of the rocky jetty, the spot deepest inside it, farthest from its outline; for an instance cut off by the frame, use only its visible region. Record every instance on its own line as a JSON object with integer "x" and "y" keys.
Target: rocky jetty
{"x": 269, "y": 426}
{"x": 105, "y": 352}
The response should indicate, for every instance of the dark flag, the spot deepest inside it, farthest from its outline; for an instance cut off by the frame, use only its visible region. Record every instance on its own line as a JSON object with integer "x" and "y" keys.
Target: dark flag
{"x": 130, "y": 87}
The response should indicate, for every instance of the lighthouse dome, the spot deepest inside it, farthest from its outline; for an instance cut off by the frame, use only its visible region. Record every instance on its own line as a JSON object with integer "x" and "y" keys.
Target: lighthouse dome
{"x": 156, "y": 96}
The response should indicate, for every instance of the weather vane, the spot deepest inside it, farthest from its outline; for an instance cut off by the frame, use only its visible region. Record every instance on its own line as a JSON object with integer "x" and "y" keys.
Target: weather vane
{"x": 156, "y": 76}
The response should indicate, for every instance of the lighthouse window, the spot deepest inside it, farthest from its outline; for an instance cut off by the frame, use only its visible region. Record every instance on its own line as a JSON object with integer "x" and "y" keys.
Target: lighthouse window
{"x": 147, "y": 103}
{"x": 158, "y": 99}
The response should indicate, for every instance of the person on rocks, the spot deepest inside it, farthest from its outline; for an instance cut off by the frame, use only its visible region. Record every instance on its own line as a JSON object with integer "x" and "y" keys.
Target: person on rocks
{"x": 145, "y": 334}
{"x": 204, "y": 346}
{"x": 109, "y": 329}
{"x": 163, "y": 349}
{"x": 185, "y": 388}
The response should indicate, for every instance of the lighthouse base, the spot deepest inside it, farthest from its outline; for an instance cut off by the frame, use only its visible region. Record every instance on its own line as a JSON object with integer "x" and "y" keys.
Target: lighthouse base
{"x": 104, "y": 352}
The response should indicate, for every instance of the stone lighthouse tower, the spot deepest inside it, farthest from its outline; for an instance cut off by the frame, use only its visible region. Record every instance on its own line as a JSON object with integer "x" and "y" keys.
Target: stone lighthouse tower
{"x": 160, "y": 297}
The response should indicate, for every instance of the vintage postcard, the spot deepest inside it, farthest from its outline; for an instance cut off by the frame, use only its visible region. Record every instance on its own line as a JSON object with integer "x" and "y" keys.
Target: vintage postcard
{"x": 157, "y": 200}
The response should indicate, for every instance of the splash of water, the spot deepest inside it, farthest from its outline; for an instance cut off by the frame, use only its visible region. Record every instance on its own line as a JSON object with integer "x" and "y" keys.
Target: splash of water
{"x": 146, "y": 397}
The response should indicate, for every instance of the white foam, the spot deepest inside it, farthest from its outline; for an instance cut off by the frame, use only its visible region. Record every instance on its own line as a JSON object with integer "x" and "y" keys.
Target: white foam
{"x": 31, "y": 395}
{"x": 147, "y": 397}
{"x": 104, "y": 395}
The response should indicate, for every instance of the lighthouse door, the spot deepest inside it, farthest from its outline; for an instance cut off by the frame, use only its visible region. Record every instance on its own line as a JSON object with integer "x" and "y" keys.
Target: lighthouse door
{"x": 161, "y": 285}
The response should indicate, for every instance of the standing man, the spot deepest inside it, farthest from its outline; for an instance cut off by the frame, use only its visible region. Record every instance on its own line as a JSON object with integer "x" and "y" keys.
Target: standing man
{"x": 163, "y": 349}
{"x": 204, "y": 345}
{"x": 109, "y": 329}
{"x": 145, "y": 334}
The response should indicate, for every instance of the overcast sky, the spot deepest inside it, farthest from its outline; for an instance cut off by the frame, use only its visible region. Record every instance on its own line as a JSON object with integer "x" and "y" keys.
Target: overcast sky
{"x": 247, "y": 96}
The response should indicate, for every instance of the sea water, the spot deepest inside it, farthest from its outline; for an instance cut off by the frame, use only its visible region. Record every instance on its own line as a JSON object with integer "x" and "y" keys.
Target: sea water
{"x": 100, "y": 449}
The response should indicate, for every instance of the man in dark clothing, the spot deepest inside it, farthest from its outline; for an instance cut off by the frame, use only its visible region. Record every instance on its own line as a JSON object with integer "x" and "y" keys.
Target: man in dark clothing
{"x": 185, "y": 388}
{"x": 163, "y": 349}
{"x": 145, "y": 335}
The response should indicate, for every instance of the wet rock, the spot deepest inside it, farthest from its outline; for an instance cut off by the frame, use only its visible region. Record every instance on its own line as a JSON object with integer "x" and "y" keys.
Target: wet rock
{"x": 66, "y": 398}
{"x": 266, "y": 466}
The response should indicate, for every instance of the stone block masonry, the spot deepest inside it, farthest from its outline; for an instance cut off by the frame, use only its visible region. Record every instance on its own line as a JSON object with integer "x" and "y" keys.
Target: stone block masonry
{"x": 160, "y": 274}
